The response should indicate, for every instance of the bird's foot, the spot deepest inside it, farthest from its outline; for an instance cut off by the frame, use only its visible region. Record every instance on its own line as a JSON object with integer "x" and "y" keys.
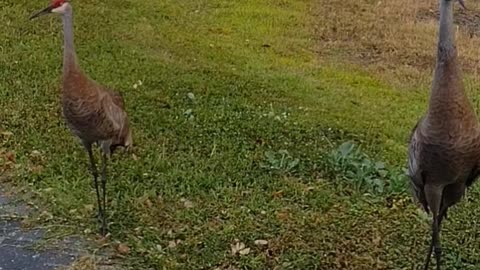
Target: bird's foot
{"x": 103, "y": 230}
{"x": 103, "y": 223}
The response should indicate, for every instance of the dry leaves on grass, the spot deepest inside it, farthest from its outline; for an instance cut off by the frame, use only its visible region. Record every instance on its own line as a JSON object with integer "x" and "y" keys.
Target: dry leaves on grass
{"x": 174, "y": 243}
{"x": 148, "y": 203}
{"x": 6, "y": 134}
{"x": 7, "y": 160}
{"x": 186, "y": 203}
{"x": 91, "y": 263}
{"x": 239, "y": 248}
{"x": 261, "y": 242}
{"x": 84, "y": 263}
{"x": 123, "y": 249}
{"x": 226, "y": 267}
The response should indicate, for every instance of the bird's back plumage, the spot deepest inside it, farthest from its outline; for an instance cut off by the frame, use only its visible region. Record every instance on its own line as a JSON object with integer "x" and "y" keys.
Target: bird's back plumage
{"x": 93, "y": 112}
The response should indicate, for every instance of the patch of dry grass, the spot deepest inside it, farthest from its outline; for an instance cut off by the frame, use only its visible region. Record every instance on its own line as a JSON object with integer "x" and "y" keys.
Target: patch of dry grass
{"x": 91, "y": 263}
{"x": 84, "y": 263}
{"x": 394, "y": 39}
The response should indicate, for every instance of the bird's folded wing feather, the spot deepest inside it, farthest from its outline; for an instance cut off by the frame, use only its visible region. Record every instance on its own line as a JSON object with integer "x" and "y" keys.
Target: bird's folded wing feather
{"x": 114, "y": 112}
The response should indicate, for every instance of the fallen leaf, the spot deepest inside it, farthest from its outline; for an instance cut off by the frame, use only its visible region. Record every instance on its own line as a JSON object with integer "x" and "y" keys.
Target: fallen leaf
{"x": 7, "y": 133}
{"x": 235, "y": 248}
{"x": 103, "y": 240}
{"x": 244, "y": 251}
{"x": 89, "y": 207}
{"x": 308, "y": 189}
{"x": 261, "y": 242}
{"x": 36, "y": 169}
{"x": 148, "y": 203}
{"x": 10, "y": 156}
{"x": 278, "y": 194}
{"x": 283, "y": 215}
{"x": 172, "y": 244}
{"x": 239, "y": 248}
{"x": 187, "y": 204}
{"x": 123, "y": 249}
{"x": 46, "y": 215}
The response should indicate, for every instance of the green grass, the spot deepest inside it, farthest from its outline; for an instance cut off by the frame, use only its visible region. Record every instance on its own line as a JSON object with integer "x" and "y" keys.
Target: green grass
{"x": 234, "y": 123}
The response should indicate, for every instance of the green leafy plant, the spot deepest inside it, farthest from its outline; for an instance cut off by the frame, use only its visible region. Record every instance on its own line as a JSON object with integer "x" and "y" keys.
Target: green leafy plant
{"x": 352, "y": 165}
{"x": 279, "y": 161}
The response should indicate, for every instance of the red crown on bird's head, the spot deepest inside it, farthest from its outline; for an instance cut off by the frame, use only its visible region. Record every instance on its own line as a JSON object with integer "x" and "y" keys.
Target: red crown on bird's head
{"x": 57, "y": 3}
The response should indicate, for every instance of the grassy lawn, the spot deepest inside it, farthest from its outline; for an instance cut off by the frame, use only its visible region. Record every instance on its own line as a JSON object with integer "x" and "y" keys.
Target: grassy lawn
{"x": 238, "y": 108}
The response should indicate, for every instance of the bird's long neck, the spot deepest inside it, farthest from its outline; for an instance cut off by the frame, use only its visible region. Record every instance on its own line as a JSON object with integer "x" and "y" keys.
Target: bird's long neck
{"x": 447, "y": 99}
{"x": 446, "y": 40}
{"x": 69, "y": 56}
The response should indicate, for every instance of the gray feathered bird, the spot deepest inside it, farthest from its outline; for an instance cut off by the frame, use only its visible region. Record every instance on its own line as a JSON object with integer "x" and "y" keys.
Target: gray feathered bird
{"x": 93, "y": 113}
{"x": 444, "y": 150}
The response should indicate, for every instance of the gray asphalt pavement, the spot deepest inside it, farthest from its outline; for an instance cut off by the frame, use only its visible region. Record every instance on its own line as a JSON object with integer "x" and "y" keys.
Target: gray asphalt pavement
{"x": 17, "y": 246}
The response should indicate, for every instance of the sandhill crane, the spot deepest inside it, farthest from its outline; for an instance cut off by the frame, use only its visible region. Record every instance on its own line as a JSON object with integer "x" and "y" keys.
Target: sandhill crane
{"x": 93, "y": 113}
{"x": 444, "y": 150}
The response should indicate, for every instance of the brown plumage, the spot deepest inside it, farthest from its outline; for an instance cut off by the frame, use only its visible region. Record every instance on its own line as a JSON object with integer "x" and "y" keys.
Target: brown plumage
{"x": 444, "y": 150}
{"x": 94, "y": 113}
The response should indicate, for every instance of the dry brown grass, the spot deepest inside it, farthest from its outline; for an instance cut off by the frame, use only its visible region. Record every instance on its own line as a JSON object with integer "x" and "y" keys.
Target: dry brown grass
{"x": 90, "y": 263}
{"x": 394, "y": 39}
{"x": 84, "y": 263}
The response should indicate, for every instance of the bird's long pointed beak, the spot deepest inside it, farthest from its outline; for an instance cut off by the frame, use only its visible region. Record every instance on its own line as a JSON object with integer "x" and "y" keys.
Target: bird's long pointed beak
{"x": 462, "y": 4}
{"x": 42, "y": 12}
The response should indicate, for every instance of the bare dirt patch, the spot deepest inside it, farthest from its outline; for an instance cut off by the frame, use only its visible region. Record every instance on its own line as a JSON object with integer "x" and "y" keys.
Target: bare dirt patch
{"x": 394, "y": 39}
{"x": 467, "y": 20}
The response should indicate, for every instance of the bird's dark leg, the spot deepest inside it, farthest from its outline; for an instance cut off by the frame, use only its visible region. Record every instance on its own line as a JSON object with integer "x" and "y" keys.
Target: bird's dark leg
{"x": 104, "y": 191}
{"x": 443, "y": 213}
{"x": 429, "y": 255}
{"x": 436, "y": 241}
{"x": 94, "y": 172}
{"x": 436, "y": 233}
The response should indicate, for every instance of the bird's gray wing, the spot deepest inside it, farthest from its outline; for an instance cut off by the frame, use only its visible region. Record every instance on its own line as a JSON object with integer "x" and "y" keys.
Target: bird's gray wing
{"x": 414, "y": 170}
